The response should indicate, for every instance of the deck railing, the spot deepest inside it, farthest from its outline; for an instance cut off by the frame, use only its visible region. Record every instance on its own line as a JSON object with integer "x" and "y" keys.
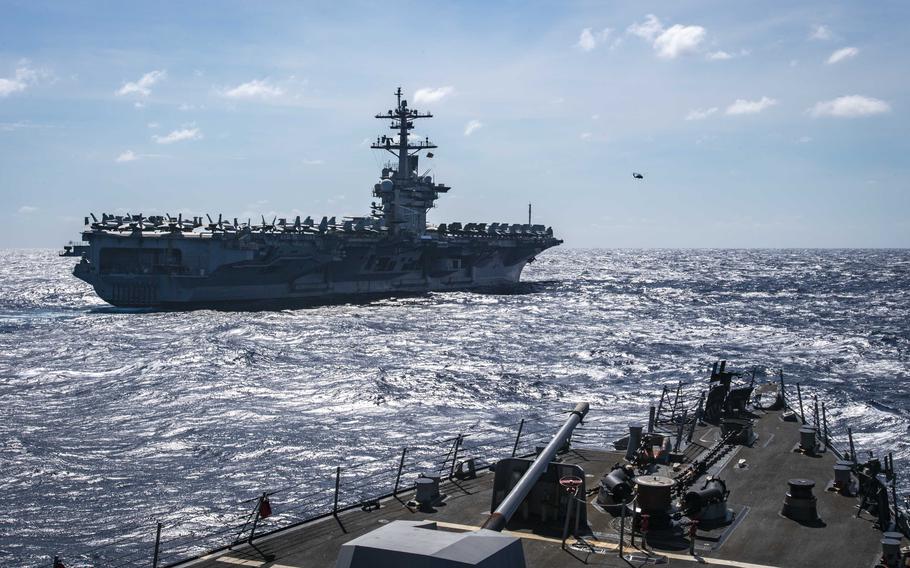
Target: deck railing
{"x": 811, "y": 409}
{"x": 336, "y": 489}
{"x": 360, "y": 484}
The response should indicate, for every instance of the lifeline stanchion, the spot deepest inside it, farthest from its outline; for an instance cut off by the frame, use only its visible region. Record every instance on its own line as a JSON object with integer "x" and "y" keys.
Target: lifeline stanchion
{"x": 825, "y": 427}
{"x": 893, "y": 486}
{"x": 799, "y": 395}
{"x": 783, "y": 394}
{"x": 157, "y": 545}
{"x": 852, "y": 449}
{"x": 263, "y": 510}
{"x": 675, "y": 402}
{"x": 404, "y": 452}
{"x": 697, "y": 417}
{"x": 335, "y": 502}
{"x": 337, "y": 484}
{"x": 818, "y": 423}
{"x": 521, "y": 426}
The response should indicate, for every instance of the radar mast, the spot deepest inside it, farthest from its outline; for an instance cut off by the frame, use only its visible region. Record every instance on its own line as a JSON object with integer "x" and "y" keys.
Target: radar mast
{"x": 406, "y": 196}
{"x": 403, "y": 119}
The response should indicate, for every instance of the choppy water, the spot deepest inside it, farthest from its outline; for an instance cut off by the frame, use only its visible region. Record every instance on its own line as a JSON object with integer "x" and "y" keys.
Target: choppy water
{"x": 111, "y": 419}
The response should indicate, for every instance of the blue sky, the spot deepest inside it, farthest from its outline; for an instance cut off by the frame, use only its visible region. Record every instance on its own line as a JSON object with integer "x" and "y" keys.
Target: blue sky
{"x": 755, "y": 124}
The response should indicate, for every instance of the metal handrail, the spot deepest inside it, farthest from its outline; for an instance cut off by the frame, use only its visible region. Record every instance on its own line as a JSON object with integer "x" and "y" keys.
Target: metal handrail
{"x": 369, "y": 479}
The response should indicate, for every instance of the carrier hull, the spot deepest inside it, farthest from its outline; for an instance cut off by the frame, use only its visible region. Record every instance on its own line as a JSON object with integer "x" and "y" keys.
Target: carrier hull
{"x": 227, "y": 271}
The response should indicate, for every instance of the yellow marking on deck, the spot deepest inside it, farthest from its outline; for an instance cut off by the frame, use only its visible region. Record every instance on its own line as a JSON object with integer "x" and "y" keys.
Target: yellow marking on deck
{"x": 615, "y": 546}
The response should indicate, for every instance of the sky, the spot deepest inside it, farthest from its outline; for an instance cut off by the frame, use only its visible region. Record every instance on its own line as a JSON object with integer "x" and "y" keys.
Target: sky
{"x": 755, "y": 124}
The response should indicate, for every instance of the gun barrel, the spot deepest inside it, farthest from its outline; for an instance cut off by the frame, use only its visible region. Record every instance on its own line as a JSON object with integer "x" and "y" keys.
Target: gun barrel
{"x": 500, "y": 517}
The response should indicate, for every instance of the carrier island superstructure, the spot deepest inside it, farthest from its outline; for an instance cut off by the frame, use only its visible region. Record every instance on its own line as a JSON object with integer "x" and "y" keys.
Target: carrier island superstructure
{"x": 176, "y": 262}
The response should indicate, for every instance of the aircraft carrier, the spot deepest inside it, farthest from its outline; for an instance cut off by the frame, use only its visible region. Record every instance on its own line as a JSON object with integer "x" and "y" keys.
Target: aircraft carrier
{"x": 163, "y": 261}
{"x": 729, "y": 473}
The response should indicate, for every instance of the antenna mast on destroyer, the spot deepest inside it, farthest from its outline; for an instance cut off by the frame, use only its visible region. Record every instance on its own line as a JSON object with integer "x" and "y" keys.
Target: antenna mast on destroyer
{"x": 406, "y": 197}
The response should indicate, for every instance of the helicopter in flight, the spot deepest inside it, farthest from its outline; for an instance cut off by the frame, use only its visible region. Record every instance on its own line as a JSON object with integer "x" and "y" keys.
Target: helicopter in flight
{"x": 637, "y": 175}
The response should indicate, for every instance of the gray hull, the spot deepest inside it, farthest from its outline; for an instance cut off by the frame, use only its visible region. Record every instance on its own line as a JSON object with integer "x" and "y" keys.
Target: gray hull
{"x": 225, "y": 270}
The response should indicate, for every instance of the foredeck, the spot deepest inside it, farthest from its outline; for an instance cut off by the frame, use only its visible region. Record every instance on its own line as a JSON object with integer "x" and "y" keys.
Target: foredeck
{"x": 758, "y": 536}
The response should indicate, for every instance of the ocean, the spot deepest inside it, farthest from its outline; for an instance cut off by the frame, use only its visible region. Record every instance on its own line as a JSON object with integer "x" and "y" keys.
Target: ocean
{"x": 112, "y": 419}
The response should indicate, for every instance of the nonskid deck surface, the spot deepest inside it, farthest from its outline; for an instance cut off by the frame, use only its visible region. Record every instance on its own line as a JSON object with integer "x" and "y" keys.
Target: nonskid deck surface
{"x": 758, "y": 537}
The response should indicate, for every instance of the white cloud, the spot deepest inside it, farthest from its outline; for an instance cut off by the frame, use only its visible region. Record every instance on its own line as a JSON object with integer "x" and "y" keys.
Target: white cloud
{"x": 144, "y": 85}
{"x": 679, "y": 40}
{"x": 254, "y": 89}
{"x": 179, "y": 135}
{"x": 21, "y": 79}
{"x": 128, "y": 156}
{"x": 700, "y": 114}
{"x": 139, "y": 104}
{"x": 25, "y": 73}
{"x": 27, "y": 209}
{"x": 804, "y": 139}
{"x": 588, "y": 40}
{"x": 585, "y": 135}
{"x": 185, "y": 107}
{"x": 10, "y": 86}
{"x": 152, "y": 125}
{"x": 314, "y": 162}
{"x": 820, "y": 32}
{"x": 850, "y": 106}
{"x": 742, "y": 106}
{"x": 841, "y": 54}
{"x": 671, "y": 42}
{"x": 719, "y": 55}
{"x": 13, "y": 126}
{"x": 431, "y": 95}
{"x": 647, "y": 30}
{"x": 471, "y": 126}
